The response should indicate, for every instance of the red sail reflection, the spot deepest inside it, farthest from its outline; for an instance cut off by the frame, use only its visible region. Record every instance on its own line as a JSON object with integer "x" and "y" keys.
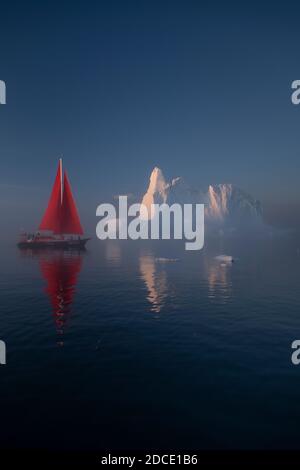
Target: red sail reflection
{"x": 60, "y": 271}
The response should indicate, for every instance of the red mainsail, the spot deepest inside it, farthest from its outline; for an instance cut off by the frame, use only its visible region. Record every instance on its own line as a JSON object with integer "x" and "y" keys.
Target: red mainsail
{"x": 52, "y": 216}
{"x": 61, "y": 216}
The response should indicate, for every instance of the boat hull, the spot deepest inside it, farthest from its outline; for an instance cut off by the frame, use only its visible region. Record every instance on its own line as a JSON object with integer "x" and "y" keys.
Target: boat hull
{"x": 56, "y": 244}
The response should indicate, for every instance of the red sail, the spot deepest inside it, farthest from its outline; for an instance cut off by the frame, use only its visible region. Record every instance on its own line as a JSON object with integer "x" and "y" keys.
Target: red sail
{"x": 52, "y": 216}
{"x": 70, "y": 222}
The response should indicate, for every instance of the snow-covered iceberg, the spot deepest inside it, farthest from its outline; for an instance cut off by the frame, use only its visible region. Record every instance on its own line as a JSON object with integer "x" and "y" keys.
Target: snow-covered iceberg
{"x": 225, "y": 204}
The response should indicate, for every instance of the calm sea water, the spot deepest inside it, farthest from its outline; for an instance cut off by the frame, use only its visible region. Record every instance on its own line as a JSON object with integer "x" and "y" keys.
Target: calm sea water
{"x": 119, "y": 348}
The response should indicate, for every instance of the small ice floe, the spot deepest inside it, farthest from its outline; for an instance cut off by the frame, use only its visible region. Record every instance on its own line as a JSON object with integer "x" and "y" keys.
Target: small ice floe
{"x": 166, "y": 260}
{"x": 224, "y": 259}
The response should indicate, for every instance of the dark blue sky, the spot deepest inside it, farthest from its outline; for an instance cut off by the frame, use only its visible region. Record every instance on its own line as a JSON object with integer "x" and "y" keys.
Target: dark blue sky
{"x": 201, "y": 89}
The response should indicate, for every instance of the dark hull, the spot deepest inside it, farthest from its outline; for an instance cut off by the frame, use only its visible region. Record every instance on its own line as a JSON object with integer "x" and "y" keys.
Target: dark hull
{"x": 56, "y": 244}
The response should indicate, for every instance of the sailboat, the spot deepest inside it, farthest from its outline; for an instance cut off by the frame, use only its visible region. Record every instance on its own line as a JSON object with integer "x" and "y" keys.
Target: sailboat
{"x": 60, "y": 226}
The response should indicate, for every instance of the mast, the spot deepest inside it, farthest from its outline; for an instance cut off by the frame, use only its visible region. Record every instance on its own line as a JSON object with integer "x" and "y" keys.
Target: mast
{"x": 61, "y": 180}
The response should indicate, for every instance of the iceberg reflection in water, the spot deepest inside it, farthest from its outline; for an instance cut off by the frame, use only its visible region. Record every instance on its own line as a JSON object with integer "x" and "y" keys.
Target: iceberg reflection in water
{"x": 164, "y": 290}
{"x": 155, "y": 278}
{"x": 219, "y": 280}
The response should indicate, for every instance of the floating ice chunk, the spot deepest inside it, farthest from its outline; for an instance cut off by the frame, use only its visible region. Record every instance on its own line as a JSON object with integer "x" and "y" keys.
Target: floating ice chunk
{"x": 224, "y": 258}
{"x": 166, "y": 260}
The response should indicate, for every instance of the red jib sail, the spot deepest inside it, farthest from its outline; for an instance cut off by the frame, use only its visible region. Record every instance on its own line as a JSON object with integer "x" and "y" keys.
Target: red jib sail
{"x": 61, "y": 215}
{"x": 70, "y": 222}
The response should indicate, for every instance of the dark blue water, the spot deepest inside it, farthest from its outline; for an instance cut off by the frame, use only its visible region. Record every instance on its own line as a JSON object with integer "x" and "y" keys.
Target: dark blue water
{"x": 117, "y": 348}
